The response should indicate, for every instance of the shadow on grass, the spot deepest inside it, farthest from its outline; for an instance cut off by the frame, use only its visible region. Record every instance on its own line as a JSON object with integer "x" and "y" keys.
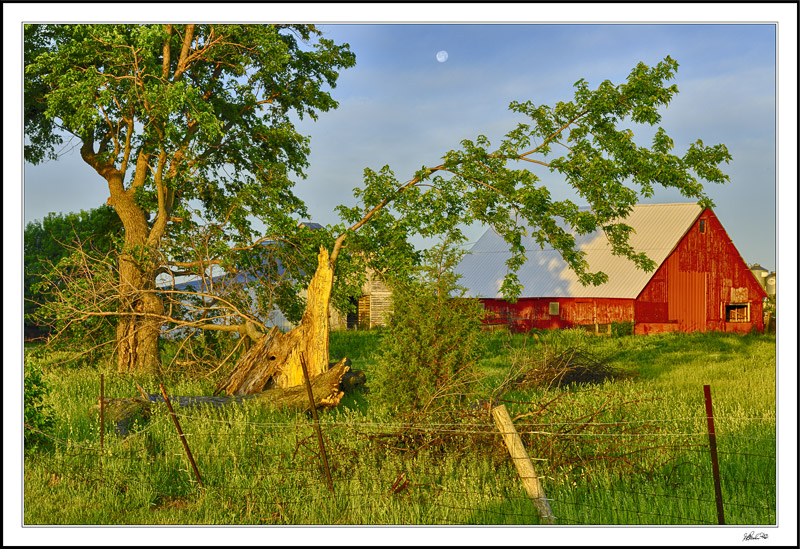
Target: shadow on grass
{"x": 649, "y": 353}
{"x": 516, "y": 511}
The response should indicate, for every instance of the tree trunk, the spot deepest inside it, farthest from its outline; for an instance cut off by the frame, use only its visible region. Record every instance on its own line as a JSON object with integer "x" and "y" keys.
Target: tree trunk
{"x": 274, "y": 360}
{"x": 138, "y": 334}
{"x": 138, "y": 327}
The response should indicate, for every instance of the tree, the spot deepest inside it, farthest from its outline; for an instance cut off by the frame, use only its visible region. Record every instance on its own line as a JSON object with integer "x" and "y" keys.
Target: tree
{"x": 432, "y": 344}
{"x": 51, "y": 241}
{"x": 583, "y": 140}
{"x": 601, "y": 163}
{"x": 189, "y": 126}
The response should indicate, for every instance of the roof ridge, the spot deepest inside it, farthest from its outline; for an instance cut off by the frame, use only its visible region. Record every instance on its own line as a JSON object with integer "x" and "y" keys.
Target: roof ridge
{"x": 669, "y": 204}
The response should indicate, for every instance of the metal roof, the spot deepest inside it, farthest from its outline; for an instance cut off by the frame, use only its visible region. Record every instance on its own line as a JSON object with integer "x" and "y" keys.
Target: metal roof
{"x": 218, "y": 276}
{"x": 658, "y": 228}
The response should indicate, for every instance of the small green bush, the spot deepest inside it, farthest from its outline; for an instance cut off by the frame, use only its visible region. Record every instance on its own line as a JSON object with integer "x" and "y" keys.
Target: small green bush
{"x": 431, "y": 347}
{"x": 39, "y": 415}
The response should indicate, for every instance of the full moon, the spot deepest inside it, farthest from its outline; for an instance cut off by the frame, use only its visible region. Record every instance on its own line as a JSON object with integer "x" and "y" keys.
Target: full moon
{"x": 441, "y": 56}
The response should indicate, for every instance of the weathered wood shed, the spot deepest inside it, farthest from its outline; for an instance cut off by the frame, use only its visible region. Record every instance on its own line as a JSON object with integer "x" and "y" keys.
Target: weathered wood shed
{"x": 700, "y": 282}
{"x": 375, "y": 304}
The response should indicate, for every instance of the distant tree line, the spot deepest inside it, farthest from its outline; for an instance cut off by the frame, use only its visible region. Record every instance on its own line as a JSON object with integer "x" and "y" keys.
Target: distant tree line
{"x": 49, "y": 244}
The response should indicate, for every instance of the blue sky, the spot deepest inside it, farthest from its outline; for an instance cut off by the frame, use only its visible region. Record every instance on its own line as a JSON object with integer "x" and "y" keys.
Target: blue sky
{"x": 401, "y": 107}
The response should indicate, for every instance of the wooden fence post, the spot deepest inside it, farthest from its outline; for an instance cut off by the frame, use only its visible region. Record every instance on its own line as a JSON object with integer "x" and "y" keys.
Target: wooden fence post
{"x": 712, "y": 442}
{"x": 180, "y": 435}
{"x": 524, "y": 465}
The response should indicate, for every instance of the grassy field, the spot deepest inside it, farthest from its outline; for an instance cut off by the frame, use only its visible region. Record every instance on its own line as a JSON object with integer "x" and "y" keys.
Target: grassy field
{"x": 641, "y": 458}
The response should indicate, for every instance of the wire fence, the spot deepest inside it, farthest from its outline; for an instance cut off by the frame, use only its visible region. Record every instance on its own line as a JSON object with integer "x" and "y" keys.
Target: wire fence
{"x": 448, "y": 473}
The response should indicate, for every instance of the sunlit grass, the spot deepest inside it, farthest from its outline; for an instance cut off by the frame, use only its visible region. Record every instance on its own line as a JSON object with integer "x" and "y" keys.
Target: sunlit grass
{"x": 263, "y": 467}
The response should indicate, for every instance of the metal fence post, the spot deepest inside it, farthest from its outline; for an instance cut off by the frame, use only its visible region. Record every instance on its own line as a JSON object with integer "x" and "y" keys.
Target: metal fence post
{"x": 316, "y": 423}
{"x": 102, "y": 413}
{"x": 102, "y": 423}
{"x": 712, "y": 442}
{"x": 180, "y": 434}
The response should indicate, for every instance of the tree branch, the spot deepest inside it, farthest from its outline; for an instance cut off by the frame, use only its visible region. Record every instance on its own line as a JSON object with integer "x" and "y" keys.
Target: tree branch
{"x": 167, "y": 52}
{"x": 160, "y": 224}
{"x": 340, "y": 240}
{"x": 184, "y": 57}
{"x": 105, "y": 169}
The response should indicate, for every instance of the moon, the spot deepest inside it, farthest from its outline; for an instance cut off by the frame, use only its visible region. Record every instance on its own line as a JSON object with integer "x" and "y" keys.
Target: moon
{"x": 441, "y": 56}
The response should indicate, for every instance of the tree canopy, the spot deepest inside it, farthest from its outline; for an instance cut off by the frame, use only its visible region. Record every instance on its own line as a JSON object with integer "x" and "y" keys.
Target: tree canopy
{"x": 192, "y": 119}
{"x": 585, "y": 141}
{"x": 189, "y": 126}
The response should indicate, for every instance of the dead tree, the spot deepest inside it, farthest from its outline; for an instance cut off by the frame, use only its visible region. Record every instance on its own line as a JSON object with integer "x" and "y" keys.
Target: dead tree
{"x": 274, "y": 360}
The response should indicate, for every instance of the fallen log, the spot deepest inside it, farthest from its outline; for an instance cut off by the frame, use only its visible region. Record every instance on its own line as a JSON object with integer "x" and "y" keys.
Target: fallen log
{"x": 327, "y": 389}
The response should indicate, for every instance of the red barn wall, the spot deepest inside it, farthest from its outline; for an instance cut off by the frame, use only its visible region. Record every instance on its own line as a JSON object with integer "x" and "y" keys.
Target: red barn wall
{"x": 692, "y": 288}
{"x": 688, "y": 292}
{"x": 529, "y": 313}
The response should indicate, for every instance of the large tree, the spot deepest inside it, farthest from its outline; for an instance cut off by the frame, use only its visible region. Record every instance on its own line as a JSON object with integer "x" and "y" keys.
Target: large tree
{"x": 588, "y": 142}
{"x": 189, "y": 127}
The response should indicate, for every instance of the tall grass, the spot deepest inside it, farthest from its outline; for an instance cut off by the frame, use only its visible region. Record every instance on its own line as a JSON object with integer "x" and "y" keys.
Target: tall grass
{"x": 263, "y": 467}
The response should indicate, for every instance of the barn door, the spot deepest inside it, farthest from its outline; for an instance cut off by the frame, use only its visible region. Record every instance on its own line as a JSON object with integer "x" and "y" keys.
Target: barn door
{"x": 687, "y": 300}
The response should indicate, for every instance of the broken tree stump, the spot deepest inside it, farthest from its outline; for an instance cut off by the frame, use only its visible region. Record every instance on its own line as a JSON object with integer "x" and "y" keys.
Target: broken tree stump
{"x": 274, "y": 360}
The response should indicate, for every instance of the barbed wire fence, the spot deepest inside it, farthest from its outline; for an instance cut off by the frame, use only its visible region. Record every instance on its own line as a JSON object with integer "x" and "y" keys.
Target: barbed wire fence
{"x": 403, "y": 473}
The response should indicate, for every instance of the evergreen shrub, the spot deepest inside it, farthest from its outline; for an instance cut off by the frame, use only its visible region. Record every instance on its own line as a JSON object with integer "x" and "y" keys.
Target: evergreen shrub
{"x": 431, "y": 347}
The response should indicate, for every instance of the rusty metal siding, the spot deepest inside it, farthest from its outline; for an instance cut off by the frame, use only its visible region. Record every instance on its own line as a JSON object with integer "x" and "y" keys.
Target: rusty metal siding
{"x": 686, "y": 297}
{"x": 692, "y": 287}
{"x": 689, "y": 291}
{"x": 650, "y": 328}
{"x": 614, "y": 310}
{"x": 534, "y": 313}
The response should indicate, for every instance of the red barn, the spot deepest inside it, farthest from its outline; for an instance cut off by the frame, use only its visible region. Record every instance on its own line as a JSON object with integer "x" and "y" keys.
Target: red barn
{"x": 700, "y": 283}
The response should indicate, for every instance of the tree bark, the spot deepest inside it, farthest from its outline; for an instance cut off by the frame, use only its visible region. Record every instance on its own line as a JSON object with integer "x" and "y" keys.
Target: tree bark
{"x": 138, "y": 327}
{"x": 274, "y": 360}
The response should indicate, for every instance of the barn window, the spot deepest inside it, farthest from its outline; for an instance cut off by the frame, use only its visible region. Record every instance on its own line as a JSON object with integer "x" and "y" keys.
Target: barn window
{"x": 554, "y": 310}
{"x": 702, "y": 225}
{"x": 737, "y": 312}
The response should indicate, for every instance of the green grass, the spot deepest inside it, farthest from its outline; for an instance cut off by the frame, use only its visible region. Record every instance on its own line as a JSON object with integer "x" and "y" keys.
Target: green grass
{"x": 263, "y": 467}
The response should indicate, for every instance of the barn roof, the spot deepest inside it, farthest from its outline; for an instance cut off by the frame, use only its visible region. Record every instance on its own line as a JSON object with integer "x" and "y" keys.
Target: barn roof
{"x": 196, "y": 283}
{"x": 658, "y": 228}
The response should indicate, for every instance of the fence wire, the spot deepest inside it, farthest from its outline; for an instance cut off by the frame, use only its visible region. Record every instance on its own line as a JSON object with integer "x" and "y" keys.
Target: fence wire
{"x": 273, "y": 471}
